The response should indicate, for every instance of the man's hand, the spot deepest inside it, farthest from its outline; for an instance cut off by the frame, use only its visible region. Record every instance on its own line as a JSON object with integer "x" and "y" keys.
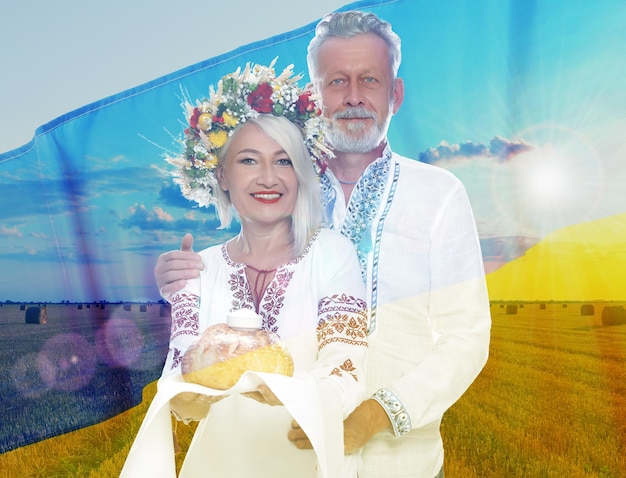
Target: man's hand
{"x": 363, "y": 423}
{"x": 173, "y": 268}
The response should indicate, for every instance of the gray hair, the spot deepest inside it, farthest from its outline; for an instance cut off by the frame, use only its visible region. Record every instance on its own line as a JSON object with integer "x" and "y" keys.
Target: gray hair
{"x": 347, "y": 25}
{"x": 308, "y": 212}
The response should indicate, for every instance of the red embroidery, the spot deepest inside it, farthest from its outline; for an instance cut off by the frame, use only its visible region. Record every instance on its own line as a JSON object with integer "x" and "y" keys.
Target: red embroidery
{"x": 274, "y": 298}
{"x": 185, "y": 309}
{"x": 343, "y": 318}
{"x": 347, "y": 366}
{"x": 177, "y": 357}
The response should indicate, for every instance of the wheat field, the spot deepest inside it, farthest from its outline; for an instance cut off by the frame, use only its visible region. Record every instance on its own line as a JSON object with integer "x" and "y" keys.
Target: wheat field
{"x": 551, "y": 402}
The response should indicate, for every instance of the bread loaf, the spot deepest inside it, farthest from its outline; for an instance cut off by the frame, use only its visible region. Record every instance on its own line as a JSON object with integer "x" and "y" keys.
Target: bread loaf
{"x": 222, "y": 354}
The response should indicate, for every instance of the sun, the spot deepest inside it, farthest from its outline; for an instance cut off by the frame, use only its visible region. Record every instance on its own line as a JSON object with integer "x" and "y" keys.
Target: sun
{"x": 557, "y": 183}
{"x": 546, "y": 181}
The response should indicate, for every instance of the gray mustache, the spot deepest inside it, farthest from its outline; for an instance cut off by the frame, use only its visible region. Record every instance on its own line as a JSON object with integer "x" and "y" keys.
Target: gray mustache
{"x": 355, "y": 112}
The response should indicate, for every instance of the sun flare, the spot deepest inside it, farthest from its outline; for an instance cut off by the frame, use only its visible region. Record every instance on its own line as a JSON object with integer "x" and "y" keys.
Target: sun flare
{"x": 558, "y": 183}
{"x": 546, "y": 182}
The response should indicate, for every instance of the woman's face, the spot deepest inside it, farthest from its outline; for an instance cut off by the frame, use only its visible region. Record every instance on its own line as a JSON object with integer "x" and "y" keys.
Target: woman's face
{"x": 259, "y": 176}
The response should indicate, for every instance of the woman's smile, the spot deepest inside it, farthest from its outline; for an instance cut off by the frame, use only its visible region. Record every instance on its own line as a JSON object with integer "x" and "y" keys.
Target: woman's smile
{"x": 267, "y": 197}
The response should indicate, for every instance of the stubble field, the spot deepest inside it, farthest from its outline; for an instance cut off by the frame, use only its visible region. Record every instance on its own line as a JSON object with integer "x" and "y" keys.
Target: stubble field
{"x": 551, "y": 402}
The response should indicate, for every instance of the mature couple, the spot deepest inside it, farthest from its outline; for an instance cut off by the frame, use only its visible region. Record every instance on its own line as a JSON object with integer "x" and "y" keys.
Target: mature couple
{"x": 391, "y": 324}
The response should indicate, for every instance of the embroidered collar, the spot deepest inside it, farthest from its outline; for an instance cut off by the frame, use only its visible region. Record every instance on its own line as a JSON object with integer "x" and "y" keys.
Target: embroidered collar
{"x": 356, "y": 219}
{"x": 236, "y": 265}
{"x": 363, "y": 218}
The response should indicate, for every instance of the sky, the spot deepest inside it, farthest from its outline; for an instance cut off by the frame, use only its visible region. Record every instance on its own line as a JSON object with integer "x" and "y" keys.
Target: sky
{"x": 58, "y": 56}
{"x": 523, "y": 101}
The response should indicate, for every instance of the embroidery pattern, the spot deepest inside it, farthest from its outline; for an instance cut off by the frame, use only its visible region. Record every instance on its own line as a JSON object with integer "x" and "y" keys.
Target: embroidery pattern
{"x": 343, "y": 319}
{"x": 348, "y": 367}
{"x": 358, "y": 224}
{"x": 185, "y": 314}
{"x": 177, "y": 357}
{"x": 273, "y": 299}
{"x": 329, "y": 198}
{"x": 363, "y": 208}
{"x": 242, "y": 295}
{"x": 376, "y": 255}
{"x": 185, "y": 308}
{"x": 395, "y": 410}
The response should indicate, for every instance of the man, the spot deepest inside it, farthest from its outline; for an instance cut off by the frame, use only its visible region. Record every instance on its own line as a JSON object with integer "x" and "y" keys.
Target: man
{"x": 420, "y": 258}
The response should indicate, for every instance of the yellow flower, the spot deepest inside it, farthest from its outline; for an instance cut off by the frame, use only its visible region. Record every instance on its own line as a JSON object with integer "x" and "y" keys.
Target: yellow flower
{"x": 218, "y": 138}
{"x": 229, "y": 120}
{"x": 211, "y": 161}
{"x": 204, "y": 121}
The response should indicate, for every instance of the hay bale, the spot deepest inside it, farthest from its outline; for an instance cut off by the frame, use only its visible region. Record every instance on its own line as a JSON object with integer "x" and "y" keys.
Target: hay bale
{"x": 587, "y": 309}
{"x": 165, "y": 310}
{"x": 36, "y": 315}
{"x": 143, "y": 308}
{"x": 79, "y": 306}
{"x": 22, "y": 307}
{"x": 542, "y": 306}
{"x": 127, "y": 307}
{"x": 614, "y": 315}
{"x": 511, "y": 309}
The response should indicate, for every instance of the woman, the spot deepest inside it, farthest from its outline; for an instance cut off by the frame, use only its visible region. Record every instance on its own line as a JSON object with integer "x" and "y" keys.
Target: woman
{"x": 304, "y": 280}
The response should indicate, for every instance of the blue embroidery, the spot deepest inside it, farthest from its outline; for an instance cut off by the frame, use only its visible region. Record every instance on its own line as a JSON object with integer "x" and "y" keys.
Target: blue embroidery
{"x": 379, "y": 234}
{"x": 362, "y": 209}
{"x": 367, "y": 200}
{"x": 329, "y": 199}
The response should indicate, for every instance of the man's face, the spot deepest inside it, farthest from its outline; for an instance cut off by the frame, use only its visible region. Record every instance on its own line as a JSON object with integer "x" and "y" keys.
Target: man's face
{"x": 358, "y": 91}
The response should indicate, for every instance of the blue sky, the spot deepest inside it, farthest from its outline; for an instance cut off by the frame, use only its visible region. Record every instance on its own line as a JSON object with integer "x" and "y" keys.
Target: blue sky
{"x": 540, "y": 80}
{"x": 58, "y": 56}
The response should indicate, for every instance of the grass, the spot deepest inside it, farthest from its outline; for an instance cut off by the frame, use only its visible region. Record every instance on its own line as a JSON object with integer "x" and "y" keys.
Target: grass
{"x": 551, "y": 402}
{"x": 91, "y": 452}
{"x": 83, "y": 386}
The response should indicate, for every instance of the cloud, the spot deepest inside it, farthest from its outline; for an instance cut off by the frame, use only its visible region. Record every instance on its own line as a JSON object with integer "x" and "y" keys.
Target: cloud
{"x": 157, "y": 219}
{"x": 10, "y": 231}
{"x": 499, "y": 148}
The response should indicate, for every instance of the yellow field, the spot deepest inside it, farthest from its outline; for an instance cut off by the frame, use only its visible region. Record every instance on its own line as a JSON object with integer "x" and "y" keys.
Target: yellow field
{"x": 551, "y": 402}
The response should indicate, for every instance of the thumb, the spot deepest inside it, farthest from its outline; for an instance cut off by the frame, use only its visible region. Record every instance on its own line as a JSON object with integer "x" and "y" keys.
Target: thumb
{"x": 187, "y": 243}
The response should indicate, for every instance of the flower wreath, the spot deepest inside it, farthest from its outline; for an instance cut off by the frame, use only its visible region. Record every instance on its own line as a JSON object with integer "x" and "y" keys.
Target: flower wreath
{"x": 240, "y": 96}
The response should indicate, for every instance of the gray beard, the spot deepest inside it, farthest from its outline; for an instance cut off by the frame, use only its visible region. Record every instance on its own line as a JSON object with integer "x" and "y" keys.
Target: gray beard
{"x": 358, "y": 138}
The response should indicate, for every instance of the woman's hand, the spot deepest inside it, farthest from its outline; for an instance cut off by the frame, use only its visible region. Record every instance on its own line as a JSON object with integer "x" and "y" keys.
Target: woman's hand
{"x": 264, "y": 395}
{"x": 188, "y": 406}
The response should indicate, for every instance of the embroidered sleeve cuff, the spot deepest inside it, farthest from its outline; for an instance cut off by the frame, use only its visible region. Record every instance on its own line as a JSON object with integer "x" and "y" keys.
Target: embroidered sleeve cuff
{"x": 398, "y": 416}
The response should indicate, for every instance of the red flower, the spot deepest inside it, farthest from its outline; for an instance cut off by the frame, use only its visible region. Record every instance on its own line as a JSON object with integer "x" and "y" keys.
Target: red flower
{"x": 304, "y": 104}
{"x": 193, "y": 121}
{"x": 260, "y": 99}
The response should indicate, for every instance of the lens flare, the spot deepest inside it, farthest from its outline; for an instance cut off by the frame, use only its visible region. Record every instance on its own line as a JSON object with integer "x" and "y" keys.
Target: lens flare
{"x": 67, "y": 362}
{"x": 120, "y": 343}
